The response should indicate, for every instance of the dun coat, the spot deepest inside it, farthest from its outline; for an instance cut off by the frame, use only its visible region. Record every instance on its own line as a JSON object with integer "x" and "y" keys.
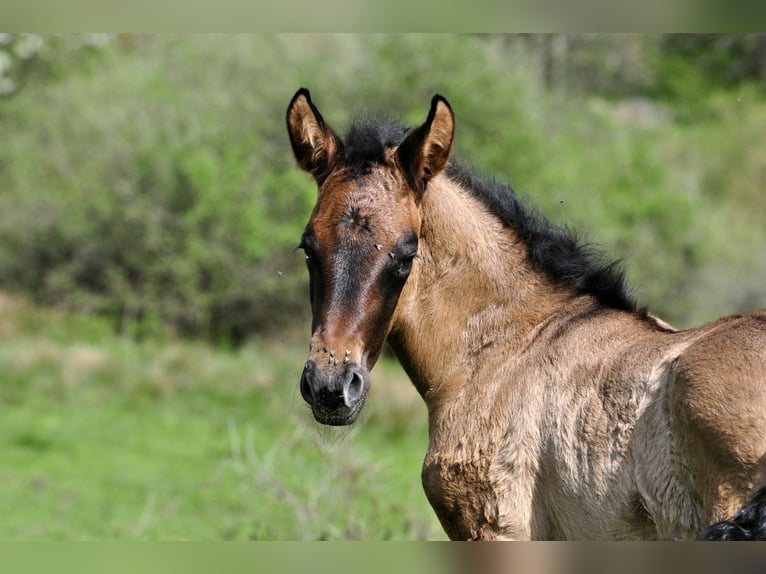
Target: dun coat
{"x": 557, "y": 408}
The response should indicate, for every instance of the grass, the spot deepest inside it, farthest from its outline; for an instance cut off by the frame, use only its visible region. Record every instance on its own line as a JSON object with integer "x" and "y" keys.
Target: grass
{"x": 109, "y": 439}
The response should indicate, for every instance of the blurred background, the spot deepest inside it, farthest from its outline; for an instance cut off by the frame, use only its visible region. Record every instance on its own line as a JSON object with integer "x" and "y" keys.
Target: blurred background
{"x": 154, "y": 311}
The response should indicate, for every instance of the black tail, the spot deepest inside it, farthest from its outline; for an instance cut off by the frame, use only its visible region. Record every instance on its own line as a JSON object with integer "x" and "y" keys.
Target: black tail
{"x": 748, "y": 524}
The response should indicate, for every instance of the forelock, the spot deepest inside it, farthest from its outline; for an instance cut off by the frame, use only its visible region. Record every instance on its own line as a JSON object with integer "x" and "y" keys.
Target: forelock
{"x": 367, "y": 142}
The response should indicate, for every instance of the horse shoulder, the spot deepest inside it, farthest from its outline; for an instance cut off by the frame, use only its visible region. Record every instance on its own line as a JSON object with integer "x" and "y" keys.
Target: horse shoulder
{"x": 480, "y": 471}
{"x": 608, "y": 432}
{"x": 606, "y": 405}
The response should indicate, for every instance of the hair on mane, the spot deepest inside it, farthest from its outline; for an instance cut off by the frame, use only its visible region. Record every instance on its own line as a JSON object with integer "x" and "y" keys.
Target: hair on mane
{"x": 556, "y": 251}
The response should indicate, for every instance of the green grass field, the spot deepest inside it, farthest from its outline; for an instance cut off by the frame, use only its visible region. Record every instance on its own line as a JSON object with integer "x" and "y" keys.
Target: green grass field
{"x": 105, "y": 438}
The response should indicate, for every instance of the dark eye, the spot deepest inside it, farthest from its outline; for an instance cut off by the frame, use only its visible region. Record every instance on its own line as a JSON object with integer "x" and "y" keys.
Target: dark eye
{"x": 308, "y": 246}
{"x": 404, "y": 266}
{"x": 308, "y": 254}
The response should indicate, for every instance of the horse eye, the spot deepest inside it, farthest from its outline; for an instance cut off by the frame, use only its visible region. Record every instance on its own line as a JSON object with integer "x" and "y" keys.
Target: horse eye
{"x": 307, "y": 255}
{"x": 306, "y": 247}
{"x": 405, "y": 266}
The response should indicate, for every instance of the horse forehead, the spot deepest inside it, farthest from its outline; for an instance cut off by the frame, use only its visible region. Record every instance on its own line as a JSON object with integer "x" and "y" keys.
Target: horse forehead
{"x": 373, "y": 203}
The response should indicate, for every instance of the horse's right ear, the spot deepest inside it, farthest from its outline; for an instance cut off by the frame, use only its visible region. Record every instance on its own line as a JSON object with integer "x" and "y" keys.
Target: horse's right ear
{"x": 315, "y": 145}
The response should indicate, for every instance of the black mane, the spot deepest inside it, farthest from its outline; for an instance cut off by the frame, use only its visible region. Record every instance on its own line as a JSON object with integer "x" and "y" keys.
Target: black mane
{"x": 557, "y": 251}
{"x": 554, "y": 250}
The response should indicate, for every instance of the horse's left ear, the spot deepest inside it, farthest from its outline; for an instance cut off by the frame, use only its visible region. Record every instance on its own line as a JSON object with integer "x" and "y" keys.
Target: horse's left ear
{"x": 425, "y": 151}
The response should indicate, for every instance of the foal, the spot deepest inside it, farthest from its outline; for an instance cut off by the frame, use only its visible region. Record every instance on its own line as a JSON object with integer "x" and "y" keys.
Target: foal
{"x": 557, "y": 408}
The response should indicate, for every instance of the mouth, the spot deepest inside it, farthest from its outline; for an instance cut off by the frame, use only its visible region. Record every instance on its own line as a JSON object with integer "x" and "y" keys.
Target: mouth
{"x": 342, "y": 416}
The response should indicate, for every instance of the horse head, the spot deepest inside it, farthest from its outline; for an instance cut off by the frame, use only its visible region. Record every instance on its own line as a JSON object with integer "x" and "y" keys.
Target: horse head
{"x": 361, "y": 241}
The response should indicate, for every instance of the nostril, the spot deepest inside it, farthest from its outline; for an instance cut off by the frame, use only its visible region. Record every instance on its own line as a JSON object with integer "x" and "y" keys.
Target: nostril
{"x": 353, "y": 387}
{"x": 306, "y": 392}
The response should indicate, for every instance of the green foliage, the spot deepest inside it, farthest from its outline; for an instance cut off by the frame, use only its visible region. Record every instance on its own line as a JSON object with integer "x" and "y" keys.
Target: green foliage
{"x": 124, "y": 200}
{"x": 27, "y": 60}
{"x": 724, "y": 59}
{"x": 155, "y": 185}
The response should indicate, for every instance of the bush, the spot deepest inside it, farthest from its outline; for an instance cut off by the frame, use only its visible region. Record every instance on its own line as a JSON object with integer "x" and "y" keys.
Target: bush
{"x": 156, "y": 186}
{"x": 140, "y": 193}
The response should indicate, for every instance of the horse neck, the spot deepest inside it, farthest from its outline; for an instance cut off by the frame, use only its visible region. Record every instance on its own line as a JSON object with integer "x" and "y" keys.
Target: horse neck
{"x": 471, "y": 295}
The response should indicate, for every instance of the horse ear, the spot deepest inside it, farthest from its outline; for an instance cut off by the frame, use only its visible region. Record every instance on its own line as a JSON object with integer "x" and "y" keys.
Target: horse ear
{"x": 425, "y": 151}
{"x": 315, "y": 145}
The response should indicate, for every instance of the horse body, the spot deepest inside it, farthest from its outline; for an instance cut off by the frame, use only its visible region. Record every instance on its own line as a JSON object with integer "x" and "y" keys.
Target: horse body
{"x": 557, "y": 410}
{"x": 559, "y": 423}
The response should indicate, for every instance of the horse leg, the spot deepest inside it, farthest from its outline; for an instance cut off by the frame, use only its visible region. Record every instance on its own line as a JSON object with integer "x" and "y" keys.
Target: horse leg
{"x": 472, "y": 504}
